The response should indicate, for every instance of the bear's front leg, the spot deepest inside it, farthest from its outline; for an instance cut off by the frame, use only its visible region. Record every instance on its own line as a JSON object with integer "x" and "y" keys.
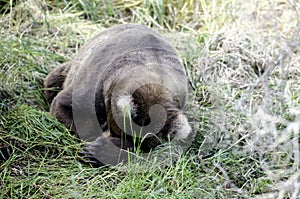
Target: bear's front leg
{"x": 107, "y": 150}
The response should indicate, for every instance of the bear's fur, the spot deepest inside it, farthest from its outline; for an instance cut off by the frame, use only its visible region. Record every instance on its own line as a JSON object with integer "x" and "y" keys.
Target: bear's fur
{"x": 127, "y": 67}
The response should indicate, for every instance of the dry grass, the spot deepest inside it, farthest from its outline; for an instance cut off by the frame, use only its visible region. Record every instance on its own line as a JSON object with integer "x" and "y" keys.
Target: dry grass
{"x": 251, "y": 72}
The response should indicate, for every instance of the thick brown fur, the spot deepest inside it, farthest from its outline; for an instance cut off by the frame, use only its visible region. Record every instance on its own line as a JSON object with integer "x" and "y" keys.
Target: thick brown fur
{"x": 105, "y": 73}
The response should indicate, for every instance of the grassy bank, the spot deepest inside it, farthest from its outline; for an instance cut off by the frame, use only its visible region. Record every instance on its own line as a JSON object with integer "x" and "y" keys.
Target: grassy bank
{"x": 243, "y": 64}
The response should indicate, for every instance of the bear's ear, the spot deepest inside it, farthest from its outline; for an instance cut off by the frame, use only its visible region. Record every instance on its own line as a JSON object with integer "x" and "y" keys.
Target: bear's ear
{"x": 184, "y": 130}
{"x": 125, "y": 103}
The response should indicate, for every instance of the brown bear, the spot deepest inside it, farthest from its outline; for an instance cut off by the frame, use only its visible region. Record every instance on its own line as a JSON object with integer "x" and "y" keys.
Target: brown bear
{"x": 125, "y": 88}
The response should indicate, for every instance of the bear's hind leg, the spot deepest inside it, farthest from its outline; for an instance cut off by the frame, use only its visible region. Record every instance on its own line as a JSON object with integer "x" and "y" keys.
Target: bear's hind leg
{"x": 55, "y": 80}
{"x": 61, "y": 108}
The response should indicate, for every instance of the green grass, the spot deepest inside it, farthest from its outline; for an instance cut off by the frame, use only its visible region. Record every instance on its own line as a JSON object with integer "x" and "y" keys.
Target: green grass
{"x": 242, "y": 61}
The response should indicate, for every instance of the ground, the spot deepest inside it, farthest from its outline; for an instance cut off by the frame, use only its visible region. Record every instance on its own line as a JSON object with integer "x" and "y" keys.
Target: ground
{"x": 243, "y": 64}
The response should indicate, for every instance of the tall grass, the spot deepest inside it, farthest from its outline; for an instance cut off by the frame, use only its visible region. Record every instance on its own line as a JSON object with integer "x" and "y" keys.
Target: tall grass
{"x": 242, "y": 60}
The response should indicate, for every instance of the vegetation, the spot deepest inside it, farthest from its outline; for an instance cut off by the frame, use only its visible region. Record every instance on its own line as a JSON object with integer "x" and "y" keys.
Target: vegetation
{"x": 243, "y": 63}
